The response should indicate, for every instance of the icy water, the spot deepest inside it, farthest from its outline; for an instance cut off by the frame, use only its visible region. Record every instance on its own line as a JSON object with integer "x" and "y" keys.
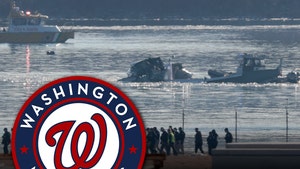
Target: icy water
{"x": 107, "y": 52}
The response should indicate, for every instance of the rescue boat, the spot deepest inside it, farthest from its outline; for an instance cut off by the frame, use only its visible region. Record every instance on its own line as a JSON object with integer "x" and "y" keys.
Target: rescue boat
{"x": 27, "y": 27}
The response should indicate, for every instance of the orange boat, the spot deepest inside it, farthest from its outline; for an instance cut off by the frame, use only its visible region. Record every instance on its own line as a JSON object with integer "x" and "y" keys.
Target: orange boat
{"x": 25, "y": 27}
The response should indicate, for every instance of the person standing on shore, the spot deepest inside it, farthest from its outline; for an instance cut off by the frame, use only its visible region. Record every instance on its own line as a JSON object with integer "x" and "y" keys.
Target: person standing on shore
{"x": 181, "y": 140}
{"x": 228, "y": 136}
{"x": 198, "y": 141}
{"x": 176, "y": 134}
{"x": 150, "y": 137}
{"x": 212, "y": 141}
{"x": 6, "y": 141}
{"x": 172, "y": 142}
{"x": 157, "y": 134}
{"x": 164, "y": 142}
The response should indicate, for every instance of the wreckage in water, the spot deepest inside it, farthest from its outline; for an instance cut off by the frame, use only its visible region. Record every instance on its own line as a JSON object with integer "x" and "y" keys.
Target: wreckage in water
{"x": 154, "y": 70}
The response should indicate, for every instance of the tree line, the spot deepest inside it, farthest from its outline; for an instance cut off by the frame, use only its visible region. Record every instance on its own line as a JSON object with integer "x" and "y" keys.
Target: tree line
{"x": 139, "y": 9}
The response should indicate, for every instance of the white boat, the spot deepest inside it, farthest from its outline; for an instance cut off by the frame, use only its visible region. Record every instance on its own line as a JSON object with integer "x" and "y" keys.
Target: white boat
{"x": 25, "y": 27}
{"x": 251, "y": 70}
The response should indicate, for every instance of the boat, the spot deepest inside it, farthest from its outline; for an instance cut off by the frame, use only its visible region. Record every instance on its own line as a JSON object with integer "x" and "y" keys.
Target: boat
{"x": 291, "y": 77}
{"x": 27, "y": 27}
{"x": 252, "y": 69}
{"x": 155, "y": 70}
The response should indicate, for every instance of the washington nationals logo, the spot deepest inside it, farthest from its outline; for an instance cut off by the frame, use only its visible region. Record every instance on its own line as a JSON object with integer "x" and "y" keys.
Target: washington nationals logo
{"x": 80, "y": 161}
{"x": 78, "y": 122}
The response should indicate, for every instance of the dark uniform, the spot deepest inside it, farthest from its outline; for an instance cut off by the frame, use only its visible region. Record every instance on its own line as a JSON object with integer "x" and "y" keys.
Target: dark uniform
{"x": 228, "y": 136}
{"x": 198, "y": 141}
{"x": 6, "y": 140}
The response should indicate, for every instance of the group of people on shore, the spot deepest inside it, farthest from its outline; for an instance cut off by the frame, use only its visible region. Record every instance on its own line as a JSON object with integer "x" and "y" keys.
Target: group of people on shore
{"x": 163, "y": 141}
{"x": 172, "y": 139}
{"x": 168, "y": 140}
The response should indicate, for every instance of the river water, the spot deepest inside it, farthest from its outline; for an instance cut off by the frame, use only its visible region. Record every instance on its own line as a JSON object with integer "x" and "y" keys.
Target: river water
{"x": 106, "y": 52}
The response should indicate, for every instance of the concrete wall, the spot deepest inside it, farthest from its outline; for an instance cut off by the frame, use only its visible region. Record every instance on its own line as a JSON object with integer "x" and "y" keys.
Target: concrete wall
{"x": 257, "y": 156}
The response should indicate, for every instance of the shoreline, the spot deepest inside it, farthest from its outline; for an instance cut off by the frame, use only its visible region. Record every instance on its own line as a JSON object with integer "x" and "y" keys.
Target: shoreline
{"x": 188, "y": 161}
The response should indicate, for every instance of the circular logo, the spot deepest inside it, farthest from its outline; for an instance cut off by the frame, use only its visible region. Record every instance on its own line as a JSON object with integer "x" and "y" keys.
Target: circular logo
{"x": 78, "y": 122}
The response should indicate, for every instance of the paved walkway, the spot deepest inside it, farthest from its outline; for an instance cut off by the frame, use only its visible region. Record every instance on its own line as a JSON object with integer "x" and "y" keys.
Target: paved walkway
{"x": 187, "y": 161}
{"x": 6, "y": 162}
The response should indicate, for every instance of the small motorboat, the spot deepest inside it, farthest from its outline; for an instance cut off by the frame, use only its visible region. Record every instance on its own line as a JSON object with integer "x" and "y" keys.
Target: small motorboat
{"x": 154, "y": 70}
{"x": 251, "y": 70}
{"x": 293, "y": 76}
{"x": 27, "y": 27}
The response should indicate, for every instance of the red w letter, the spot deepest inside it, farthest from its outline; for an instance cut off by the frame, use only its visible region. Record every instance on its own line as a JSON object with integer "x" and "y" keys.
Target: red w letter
{"x": 80, "y": 160}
